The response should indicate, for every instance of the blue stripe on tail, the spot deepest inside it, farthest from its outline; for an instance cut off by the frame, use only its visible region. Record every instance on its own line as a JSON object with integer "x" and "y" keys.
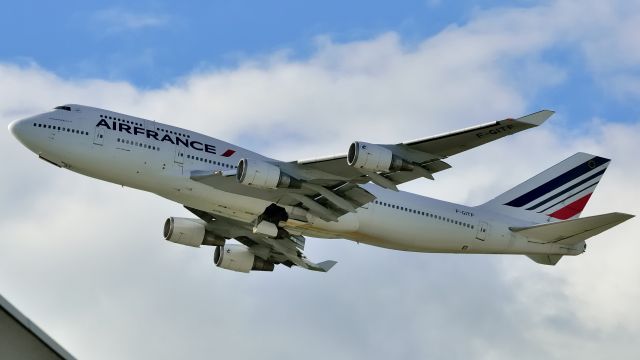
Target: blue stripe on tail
{"x": 599, "y": 173}
{"x": 557, "y": 182}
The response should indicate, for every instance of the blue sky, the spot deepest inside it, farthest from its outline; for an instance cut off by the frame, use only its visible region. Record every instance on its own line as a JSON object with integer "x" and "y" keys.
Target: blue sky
{"x": 89, "y": 39}
{"x": 154, "y": 43}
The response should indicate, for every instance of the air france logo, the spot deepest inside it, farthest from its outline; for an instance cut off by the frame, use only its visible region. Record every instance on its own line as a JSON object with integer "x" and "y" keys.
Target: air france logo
{"x": 228, "y": 153}
{"x": 151, "y": 134}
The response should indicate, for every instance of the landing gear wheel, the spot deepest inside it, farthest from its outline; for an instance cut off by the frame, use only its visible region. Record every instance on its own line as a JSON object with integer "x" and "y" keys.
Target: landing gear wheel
{"x": 274, "y": 214}
{"x": 268, "y": 222}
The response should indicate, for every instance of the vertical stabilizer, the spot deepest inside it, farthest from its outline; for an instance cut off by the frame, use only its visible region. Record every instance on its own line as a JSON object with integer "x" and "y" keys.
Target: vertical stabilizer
{"x": 558, "y": 193}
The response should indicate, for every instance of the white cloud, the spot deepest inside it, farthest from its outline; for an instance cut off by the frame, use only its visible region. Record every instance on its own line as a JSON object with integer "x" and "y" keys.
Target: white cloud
{"x": 85, "y": 259}
{"x": 118, "y": 20}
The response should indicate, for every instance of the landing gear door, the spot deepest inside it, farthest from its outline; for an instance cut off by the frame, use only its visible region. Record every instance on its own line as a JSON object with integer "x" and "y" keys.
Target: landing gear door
{"x": 483, "y": 229}
{"x": 98, "y": 138}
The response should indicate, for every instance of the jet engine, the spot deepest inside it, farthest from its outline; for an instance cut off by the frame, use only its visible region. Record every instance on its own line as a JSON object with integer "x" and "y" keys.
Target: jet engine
{"x": 262, "y": 174}
{"x": 239, "y": 258}
{"x": 372, "y": 157}
{"x": 190, "y": 232}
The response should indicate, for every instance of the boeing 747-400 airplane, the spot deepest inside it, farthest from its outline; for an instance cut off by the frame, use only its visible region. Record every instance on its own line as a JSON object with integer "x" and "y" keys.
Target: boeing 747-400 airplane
{"x": 268, "y": 205}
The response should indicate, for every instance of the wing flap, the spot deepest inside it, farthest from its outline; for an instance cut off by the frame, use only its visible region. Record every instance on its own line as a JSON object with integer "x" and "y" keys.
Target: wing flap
{"x": 401, "y": 177}
{"x": 286, "y": 250}
{"x": 343, "y": 197}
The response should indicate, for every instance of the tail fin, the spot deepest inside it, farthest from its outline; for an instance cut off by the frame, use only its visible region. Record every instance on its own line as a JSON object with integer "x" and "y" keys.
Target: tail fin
{"x": 558, "y": 193}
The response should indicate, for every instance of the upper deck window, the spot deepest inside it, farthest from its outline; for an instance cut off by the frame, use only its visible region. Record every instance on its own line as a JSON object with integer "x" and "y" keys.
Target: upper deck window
{"x": 67, "y": 108}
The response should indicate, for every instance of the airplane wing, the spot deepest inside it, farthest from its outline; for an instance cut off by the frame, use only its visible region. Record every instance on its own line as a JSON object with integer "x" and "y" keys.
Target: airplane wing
{"x": 287, "y": 248}
{"x": 429, "y": 152}
{"x": 330, "y": 187}
{"x": 325, "y": 198}
{"x": 286, "y": 251}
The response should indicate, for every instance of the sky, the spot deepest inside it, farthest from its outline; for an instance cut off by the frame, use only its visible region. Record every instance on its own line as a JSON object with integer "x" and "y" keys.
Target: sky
{"x": 85, "y": 259}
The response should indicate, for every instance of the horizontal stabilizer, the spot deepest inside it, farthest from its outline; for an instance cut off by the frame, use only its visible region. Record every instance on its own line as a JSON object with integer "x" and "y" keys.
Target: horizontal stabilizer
{"x": 571, "y": 232}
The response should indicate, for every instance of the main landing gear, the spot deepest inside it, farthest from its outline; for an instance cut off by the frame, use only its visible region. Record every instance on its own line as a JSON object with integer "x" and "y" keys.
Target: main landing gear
{"x": 268, "y": 222}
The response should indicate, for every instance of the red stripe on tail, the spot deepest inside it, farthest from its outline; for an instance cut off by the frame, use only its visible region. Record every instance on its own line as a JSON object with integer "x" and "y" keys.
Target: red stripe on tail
{"x": 572, "y": 209}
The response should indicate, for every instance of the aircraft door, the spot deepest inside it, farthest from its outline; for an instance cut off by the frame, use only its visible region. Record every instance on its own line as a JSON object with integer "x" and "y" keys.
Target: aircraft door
{"x": 483, "y": 230}
{"x": 52, "y": 134}
{"x": 98, "y": 138}
{"x": 179, "y": 156}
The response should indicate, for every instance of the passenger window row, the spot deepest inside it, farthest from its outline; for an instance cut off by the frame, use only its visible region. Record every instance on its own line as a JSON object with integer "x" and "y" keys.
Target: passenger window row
{"x": 209, "y": 161}
{"x": 174, "y": 132}
{"x": 138, "y": 144}
{"x": 140, "y": 125}
{"x": 121, "y": 120}
{"x": 61, "y": 128}
{"x": 424, "y": 213}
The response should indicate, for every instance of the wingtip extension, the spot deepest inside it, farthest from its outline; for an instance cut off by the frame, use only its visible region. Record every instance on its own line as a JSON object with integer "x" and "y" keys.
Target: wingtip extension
{"x": 537, "y": 118}
{"x": 625, "y": 216}
{"x": 327, "y": 265}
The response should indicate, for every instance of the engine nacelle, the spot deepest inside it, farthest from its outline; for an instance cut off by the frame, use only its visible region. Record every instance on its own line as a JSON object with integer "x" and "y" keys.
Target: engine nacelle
{"x": 239, "y": 258}
{"x": 374, "y": 157}
{"x": 261, "y": 174}
{"x": 190, "y": 232}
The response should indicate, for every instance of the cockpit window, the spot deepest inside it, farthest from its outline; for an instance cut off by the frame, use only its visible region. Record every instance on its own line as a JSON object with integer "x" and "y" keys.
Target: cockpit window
{"x": 67, "y": 108}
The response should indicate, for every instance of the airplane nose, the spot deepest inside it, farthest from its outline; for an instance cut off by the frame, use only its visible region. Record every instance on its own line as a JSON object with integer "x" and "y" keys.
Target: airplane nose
{"x": 15, "y": 128}
{"x": 12, "y": 127}
{"x": 20, "y": 129}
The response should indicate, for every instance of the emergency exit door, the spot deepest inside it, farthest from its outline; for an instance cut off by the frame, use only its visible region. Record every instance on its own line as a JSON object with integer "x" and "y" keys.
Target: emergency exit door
{"x": 483, "y": 230}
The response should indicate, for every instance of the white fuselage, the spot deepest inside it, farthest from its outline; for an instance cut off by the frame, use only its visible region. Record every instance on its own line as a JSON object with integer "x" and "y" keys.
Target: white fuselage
{"x": 143, "y": 154}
